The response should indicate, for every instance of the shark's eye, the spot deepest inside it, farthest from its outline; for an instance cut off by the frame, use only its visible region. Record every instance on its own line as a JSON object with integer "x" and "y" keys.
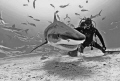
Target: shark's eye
{"x": 55, "y": 36}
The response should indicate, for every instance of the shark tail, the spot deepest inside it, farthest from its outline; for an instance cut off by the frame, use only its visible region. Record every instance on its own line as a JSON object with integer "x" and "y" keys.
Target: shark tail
{"x": 39, "y": 45}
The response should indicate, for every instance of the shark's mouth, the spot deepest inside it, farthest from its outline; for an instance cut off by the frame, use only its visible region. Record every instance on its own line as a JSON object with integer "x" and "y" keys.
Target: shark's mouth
{"x": 68, "y": 46}
{"x": 63, "y": 46}
{"x": 64, "y": 42}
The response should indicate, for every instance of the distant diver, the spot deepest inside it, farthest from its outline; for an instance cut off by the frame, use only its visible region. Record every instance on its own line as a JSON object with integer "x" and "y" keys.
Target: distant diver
{"x": 83, "y": 10}
{"x": 77, "y": 14}
{"x": 67, "y": 17}
{"x": 80, "y": 6}
{"x": 32, "y": 24}
{"x": 37, "y": 19}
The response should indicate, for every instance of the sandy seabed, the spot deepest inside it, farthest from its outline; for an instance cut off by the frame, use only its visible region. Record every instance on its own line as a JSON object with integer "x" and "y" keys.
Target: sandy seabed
{"x": 44, "y": 68}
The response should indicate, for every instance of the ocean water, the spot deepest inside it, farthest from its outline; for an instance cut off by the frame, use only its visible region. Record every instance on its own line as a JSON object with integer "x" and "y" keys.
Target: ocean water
{"x": 24, "y": 21}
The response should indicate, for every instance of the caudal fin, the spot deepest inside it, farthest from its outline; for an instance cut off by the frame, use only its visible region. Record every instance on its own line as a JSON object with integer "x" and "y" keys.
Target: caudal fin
{"x": 39, "y": 46}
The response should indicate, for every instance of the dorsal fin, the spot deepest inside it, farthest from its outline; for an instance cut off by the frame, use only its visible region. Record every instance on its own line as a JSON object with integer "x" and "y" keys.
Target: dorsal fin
{"x": 55, "y": 19}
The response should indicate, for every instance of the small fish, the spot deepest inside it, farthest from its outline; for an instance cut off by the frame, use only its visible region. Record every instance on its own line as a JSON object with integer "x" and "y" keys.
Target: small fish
{"x": 25, "y": 4}
{"x": 24, "y": 23}
{"x": 86, "y": 1}
{"x": 2, "y": 22}
{"x": 67, "y": 17}
{"x": 34, "y": 4}
{"x": 56, "y": 11}
{"x": 28, "y": 1}
{"x": 84, "y": 10}
{"x": 77, "y": 14}
{"x": 26, "y": 31}
{"x": 30, "y": 16}
{"x": 80, "y": 6}
{"x": 103, "y": 18}
{"x": 52, "y": 5}
{"x": 92, "y": 16}
{"x": 36, "y": 19}
{"x": 99, "y": 14}
{"x": 58, "y": 17}
{"x": 63, "y": 6}
{"x": 49, "y": 21}
{"x": 32, "y": 24}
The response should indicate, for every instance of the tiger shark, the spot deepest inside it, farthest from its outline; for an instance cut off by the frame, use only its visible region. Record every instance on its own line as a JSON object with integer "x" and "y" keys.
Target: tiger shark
{"x": 61, "y": 36}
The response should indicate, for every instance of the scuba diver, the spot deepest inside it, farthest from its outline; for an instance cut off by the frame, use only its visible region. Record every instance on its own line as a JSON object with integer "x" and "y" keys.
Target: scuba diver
{"x": 88, "y": 29}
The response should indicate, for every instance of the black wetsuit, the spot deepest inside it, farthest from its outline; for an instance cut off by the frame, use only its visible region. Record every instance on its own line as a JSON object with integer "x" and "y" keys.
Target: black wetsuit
{"x": 89, "y": 33}
{"x": 88, "y": 29}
